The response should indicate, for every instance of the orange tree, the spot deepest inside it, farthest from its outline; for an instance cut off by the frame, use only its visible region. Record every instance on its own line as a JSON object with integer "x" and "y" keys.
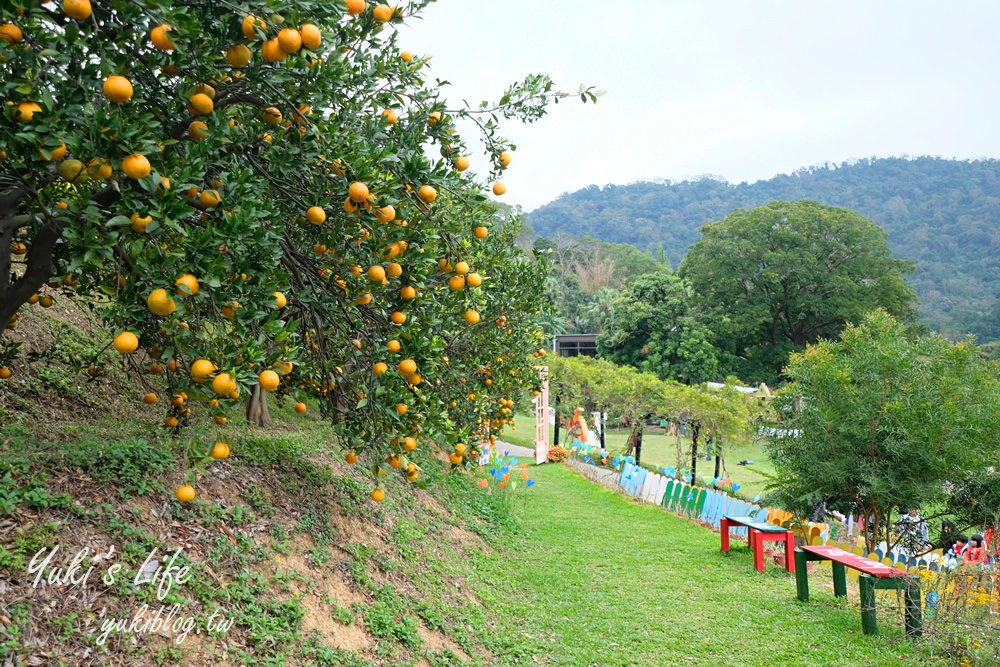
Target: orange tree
{"x": 250, "y": 193}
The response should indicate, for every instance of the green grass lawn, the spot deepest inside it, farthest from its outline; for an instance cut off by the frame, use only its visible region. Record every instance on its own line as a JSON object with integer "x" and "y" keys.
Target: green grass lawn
{"x": 660, "y": 450}
{"x": 597, "y": 579}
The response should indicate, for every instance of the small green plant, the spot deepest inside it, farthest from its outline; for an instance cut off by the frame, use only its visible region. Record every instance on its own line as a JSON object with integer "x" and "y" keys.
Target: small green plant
{"x": 344, "y": 615}
{"x": 316, "y": 522}
{"x": 27, "y": 541}
{"x": 389, "y": 619}
{"x": 320, "y": 555}
{"x": 257, "y": 500}
{"x": 133, "y": 465}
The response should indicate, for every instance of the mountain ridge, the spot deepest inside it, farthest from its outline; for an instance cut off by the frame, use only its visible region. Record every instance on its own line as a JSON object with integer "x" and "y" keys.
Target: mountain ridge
{"x": 942, "y": 214}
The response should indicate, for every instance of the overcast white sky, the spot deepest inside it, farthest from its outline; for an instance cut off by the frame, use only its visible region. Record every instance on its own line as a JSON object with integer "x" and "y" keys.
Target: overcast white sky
{"x": 742, "y": 89}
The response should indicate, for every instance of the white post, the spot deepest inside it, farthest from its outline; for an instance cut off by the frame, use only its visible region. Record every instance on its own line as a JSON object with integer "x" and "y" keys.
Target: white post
{"x": 542, "y": 417}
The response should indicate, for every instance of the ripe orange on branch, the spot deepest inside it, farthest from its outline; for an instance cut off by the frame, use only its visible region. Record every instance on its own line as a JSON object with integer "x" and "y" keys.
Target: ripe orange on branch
{"x": 126, "y": 342}
{"x": 289, "y": 40}
{"x": 210, "y": 199}
{"x": 117, "y": 89}
{"x": 160, "y": 303}
{"x": 250, "y": 25}
{"x": 223, "y": 384}
{"x": 136, "y": 166}
{"x": 239, "y": 55}
{"x": 99, "y": 169}
{"x": 272, "y": 116}
{"x": 72, "y": 171}
{"x": 187, "y": 285}
{"x": 197, "y": 130}
{"x": 201, "y": 370}
{"x": 311, "y": 36}
{"x": 427, "y": 194}
{"x": 77, "y": 9}
{"x": 268, "y": 380}
{"x": 10, "y": 33}
{"x": 316, "y": 215}
{"x": 25, "y": 111}
{"x": 358, "y": 192}
{"x": 160, "y": 39}
{"x": 200, "y": 104}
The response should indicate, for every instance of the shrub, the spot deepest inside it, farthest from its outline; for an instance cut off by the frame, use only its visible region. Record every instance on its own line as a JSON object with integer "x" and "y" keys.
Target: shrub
{"x": 558, "y": 454}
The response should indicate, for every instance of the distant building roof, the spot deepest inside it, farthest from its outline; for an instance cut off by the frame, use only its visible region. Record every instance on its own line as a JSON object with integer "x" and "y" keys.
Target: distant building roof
{"x": 761, "y": 389}
{"x": 575, "y": 345}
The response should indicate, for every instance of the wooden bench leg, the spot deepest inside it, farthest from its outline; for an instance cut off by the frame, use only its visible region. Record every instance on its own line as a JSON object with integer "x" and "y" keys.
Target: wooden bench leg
{"x": 913, "y": 608}
{"x": 839, "y": 579}
{"x": 801, "y": 576}
{"x": 724, "y": 528}
{"x": 867, "y": 585}
{"x": 790, "y": 563}
{"x": 757, "y": 545}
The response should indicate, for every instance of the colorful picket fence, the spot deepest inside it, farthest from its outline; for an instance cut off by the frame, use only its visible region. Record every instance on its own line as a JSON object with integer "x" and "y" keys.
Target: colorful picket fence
{"x": 709, "y": 506}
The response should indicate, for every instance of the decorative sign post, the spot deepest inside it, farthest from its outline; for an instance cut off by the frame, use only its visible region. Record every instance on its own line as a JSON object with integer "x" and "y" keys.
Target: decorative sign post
{"x": 542, "y": 417}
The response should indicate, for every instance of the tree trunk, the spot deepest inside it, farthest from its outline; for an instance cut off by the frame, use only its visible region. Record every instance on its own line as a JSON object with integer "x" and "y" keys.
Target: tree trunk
{"x": 679, "y": 445}
{"x": 695, "y": 429}
{"x": 555, "y": 439}
{"x": 257, "y": 413}
{"x": 638, "y": 441}
{"x": 38, "y": 261}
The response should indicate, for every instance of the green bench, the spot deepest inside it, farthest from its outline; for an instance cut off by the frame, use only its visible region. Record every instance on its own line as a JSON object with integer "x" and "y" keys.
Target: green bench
{"x": 874, "y": 576}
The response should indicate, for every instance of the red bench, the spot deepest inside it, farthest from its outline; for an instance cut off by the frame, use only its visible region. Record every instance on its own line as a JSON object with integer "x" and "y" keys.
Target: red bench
{"x": 874, "y": 575}
{"x": 759, "y": 532}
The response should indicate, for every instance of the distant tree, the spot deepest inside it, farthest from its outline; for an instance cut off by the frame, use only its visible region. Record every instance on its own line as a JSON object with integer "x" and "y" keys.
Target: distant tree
{"x": 598, "y": 308}
{"x": 790, "y": 273}
{"x": 884, "y": 419}
{"x": 652, "y": 327}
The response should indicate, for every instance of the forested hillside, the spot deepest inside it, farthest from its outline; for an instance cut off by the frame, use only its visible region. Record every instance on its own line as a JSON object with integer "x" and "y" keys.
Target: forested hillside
{"x": 944, "y": 215}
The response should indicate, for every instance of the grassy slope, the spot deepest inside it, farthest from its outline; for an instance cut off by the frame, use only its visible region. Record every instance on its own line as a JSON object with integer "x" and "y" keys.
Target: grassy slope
{"x": 600, "y": 580}
{"x": 282, "y": 537}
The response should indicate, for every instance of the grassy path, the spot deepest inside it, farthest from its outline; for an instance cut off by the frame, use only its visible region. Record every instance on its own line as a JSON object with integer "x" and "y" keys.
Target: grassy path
{"x": 599, "y": 580}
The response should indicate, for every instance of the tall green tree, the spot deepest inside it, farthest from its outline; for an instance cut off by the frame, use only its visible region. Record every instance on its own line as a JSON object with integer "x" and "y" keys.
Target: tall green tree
{"x": 790, "y": 273}
{"x": 652, "y": 327}
{"x": 884, "y": 419}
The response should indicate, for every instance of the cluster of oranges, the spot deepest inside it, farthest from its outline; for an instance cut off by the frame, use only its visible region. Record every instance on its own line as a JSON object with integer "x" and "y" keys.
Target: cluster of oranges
{"x": 380, "y": 235}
